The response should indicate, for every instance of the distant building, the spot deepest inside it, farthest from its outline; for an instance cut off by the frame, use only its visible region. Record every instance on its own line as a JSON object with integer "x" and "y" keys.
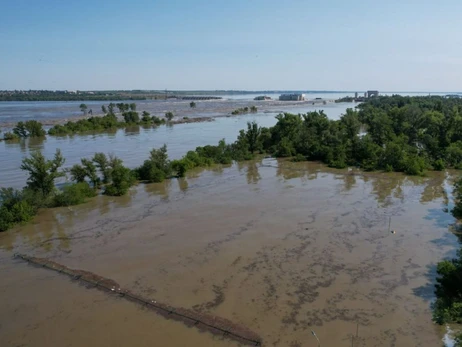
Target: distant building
{"x": 262, "y": 97}
{"x": 372, "y": 93}
{"x": 292, "y": 97}
{"x": 356, "y": 95}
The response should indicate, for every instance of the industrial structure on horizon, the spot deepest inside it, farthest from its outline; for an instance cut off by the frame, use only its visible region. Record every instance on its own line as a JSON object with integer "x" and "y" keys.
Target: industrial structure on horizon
{"x": 292, "y": 97}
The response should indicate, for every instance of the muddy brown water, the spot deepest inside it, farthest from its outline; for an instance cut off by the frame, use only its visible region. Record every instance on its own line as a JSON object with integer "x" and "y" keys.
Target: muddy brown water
{"x": 282, "y": 248}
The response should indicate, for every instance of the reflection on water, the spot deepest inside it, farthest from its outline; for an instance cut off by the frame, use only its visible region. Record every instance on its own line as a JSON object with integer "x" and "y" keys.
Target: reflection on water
{"x": 317, "y": 256}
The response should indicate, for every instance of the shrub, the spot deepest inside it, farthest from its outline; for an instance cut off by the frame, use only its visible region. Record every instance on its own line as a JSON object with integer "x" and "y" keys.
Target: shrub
{"x": 180, "y": 167}
{"x": 31, "y": 128}
{"x": 284, "y": 148}
{"x": 157, "y": 168}
{"x": 74, "y": 194}
{"x": 169, "y": 116}
{"x": 122, "y": 180}
{"x": 14, "y": 208}
{"x": 8, "y": 136}
{"x": 439, "y": 165}
{"x": 146, "y": 117}
{"x": 414, "y": 165}
{"x": 131, "y": 117}
{"x": 299, "y": 157}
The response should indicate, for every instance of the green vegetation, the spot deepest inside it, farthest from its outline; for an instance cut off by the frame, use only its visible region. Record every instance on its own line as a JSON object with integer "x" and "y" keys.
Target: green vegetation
{"x": 43, "y": 172}
{"x": 107, "y": 122}
{"x": 192, "y": 104}
{"x": 83, "y": 108}
{"x": 402, "y": 134}
{"x": 31, "y": 128}
{"x": 9, "y": 136}
{"x": 447, "y": 308}
{"x": 252, "y": 109}
{"x": 19, "y": 206}
{"x": 169, "y": 116}
{"x": 131, "y": 117}
{"x": 96, "y": 124}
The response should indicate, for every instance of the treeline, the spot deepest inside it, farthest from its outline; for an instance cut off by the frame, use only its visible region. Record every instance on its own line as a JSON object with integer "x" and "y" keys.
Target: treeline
{"x": 48, "y": 95}
{"x": 108, "y": 175}
{"x": 404, "y": 134}
{"x": 107, "y": 122}
{"x": 244, "y": 110}
{"x": 447, "y": 308}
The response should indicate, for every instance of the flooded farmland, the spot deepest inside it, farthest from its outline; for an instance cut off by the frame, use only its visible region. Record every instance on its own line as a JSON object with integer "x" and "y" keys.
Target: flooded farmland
{"x": 281, "y": 248}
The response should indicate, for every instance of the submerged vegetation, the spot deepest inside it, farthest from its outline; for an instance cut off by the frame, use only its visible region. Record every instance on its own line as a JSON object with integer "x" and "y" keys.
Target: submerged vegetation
{"x": 244, "y": 110}
{"x": 447, "y": 308}
{"x": 404, "y": 134}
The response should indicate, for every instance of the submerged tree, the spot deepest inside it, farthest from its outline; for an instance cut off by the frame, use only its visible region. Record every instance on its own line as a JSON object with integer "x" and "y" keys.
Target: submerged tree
{"x": 83, "y": 108}
{"x": 43, "y": 172}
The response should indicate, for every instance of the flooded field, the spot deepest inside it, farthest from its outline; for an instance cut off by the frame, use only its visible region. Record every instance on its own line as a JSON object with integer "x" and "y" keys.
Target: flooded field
{"x": 132, "y": 144}
{"x": 53, "y": 112}
{"x": 282, "y": 248}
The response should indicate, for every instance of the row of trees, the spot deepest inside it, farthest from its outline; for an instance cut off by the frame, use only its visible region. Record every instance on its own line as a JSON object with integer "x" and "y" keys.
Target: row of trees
{"x": 108, "y": 175}
{"x": 107, "y": 122}
{"x": 447, "y": 308}
{"x": 244, "y": 110}
{"x": 98, "y": 173}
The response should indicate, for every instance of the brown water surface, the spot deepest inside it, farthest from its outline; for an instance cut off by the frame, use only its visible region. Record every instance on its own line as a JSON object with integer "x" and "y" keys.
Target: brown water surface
{"x": 283, "y": 248}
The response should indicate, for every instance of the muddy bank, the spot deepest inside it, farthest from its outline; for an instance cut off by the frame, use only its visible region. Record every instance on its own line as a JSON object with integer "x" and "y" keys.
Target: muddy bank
{"x": 279, "y": 248}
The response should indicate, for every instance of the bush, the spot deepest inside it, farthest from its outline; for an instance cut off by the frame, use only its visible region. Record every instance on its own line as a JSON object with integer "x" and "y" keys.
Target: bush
{"x": 122, "y": 180}
{"x": 157, "y": 168}
{"x": 14, "y": 208}
{"x": 180, "y": 167}
{"x": 414, "y": 165}
{"x": 299, "y": 157}
{"x": 8, "y": 136}
{"x": 74, "y": 194}
{"x": 169, "y": 116}
{"x": 284, "y": 148}
{"x": 131, "y": 117}
{"x": 31, "y": 128}
{"x": 439, "y": 165}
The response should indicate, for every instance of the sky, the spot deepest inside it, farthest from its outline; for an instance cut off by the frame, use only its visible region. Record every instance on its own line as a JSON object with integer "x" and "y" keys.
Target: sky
{"x": 388, "y": 45}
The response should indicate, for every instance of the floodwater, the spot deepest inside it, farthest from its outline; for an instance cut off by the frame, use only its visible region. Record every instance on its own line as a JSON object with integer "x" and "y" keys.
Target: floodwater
{"x": 52, "y": 112}
{"x": 282, "y": 248}
{"x": 133, "y": 144}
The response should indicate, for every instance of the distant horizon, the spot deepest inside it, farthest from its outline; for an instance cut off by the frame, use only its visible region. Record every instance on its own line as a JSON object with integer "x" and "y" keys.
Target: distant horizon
{"x": 235, "y": 90}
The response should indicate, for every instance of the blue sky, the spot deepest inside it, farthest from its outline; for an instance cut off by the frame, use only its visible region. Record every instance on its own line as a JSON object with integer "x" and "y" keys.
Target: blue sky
{"x": 406, "y": 45}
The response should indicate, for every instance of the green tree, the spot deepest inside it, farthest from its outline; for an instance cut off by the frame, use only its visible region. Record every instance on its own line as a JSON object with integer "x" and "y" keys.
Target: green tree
{"x": 132, "y": 106}
{"x": 457, "y": 210}
{"x": 102, "y": 163}
{"x": 43, "y": 172}
{"x": 103, "y": 109}
{"x": 169, "y": 116}
{"x": 31, "y": 128}
{"x": 83, "y": 108}
{"x": 14, "y": 208}
{"x": 252, "y": 136}
{"x": 146, "y": 117}
{"x": 192, "y": 104}
{"x": 131, "y": 117}
{"x": 110, "y": 108}
{"x": 122, "y": 180}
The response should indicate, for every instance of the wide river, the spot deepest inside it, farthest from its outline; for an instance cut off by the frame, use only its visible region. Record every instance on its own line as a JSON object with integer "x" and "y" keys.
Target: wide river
{"x": 282, "y": 248}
